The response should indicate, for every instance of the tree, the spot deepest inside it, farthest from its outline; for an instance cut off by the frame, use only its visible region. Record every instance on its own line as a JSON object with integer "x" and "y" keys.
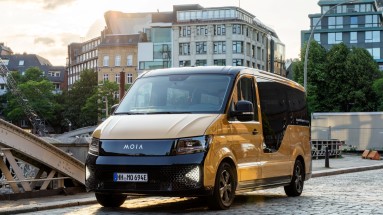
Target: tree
{"x": 339, "y": 80}
{"x": 315, "y": 75}
{"x": 38, "y": 90}
{"x": 102, "y": 100}
{"x": 76, "y": 98}
{"x": 378, "y": 89}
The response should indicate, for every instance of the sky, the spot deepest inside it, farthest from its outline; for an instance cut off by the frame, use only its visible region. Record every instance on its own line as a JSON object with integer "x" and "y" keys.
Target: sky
{"x": 46, "y": 27}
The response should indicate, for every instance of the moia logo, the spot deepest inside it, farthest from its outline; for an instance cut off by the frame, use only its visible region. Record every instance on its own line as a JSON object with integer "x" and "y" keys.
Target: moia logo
{"x": 133, "y": 146}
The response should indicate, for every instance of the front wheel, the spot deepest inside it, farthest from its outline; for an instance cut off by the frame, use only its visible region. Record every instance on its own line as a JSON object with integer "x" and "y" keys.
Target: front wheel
{"x": 110, "y": 200}
{"x": 224, "y": 188}
{"x": 295, "y": 187}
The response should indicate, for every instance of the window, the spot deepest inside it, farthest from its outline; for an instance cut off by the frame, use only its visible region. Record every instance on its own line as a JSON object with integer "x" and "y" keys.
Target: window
{"x": 237, "y": 29}
{"x": 54, "y": 73}
{"x": 56, "y": 86}
{"x": 237, "y": 62}
{"x": 202, "y": 30}
{"x": 317, "y": 37}
{"x": 335, "y": 22}
{"x": 200, "y": 62}
{"x": 129, "y": 60}
{"x": 245, "y": 90}
{"x": 21, "y": 62}
{"x": 219, "y": 47}
{"x": 371, "y": 21}
{"x": 185, "y": 31}
{"x": 117, "y": 78}
{"x": 354, "y": 22}
{"x": 334, "y": 38}
{"x": 219, "y": 29}
{"x": 129, "y": 78}
{"x": 220, "y": 62}
{"x": 353, "y": 37}
{"x": 315, "y": 21}
{"x": 184, "y": 48}
{"x": 183, "y": 63}
{"x": 106, "y": 77}
{"x": 201, "y": 47}
{"x": 375, "y": 52}
{"x": 2, "y": 86}
{"x": 117, "y": 60}
{"x": 106, "y": 60}
{"x": 372, "y": 36}
{"x": 237, "y": 47}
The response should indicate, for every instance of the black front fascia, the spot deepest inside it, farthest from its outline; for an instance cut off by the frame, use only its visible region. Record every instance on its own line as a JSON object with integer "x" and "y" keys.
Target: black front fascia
{"x": 136, "y": 147}
{"x": 166, "y": 174}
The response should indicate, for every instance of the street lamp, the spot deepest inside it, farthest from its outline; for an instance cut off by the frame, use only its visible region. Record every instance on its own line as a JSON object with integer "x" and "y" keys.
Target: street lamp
{"x": 310, "y": 38}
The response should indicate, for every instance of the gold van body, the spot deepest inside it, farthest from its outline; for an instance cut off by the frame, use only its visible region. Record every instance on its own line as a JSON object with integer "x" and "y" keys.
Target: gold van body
{"x": 270, "y": 149}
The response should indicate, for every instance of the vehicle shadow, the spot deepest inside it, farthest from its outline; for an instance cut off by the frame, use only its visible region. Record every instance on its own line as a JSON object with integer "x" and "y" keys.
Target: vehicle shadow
{"x": 164, "y": 205}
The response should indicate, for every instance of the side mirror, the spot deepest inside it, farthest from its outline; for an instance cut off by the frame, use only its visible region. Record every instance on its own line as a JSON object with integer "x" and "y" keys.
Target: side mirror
{"x": 113, "y": 108}
{"x": 244, "y": 110}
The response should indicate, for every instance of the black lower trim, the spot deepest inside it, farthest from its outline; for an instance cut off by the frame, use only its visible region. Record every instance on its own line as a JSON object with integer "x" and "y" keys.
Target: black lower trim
{"x": 180, "y": 175}
{"x": 264, "y": 183}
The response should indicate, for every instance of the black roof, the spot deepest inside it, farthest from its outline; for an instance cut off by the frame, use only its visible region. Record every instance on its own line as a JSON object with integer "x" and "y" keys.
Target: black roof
{"x": 33, "y": 60}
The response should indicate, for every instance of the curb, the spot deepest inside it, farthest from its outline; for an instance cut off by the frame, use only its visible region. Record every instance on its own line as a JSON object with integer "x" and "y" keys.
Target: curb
{"x": 29, "y": 209}
{"x": 323, "y": 173}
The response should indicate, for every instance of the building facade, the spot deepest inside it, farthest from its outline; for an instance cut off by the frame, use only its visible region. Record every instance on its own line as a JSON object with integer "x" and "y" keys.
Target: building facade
{"x": 224, "y": 36}
{"x": 81, "y": 56}
{"x": 118, "y": 53}
{"x": 356, "y": 24}
{"x": 192, "y": 35}
{"x": 4, "y": 50}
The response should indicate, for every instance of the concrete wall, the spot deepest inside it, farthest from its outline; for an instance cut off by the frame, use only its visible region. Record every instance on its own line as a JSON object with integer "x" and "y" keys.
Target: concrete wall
{"x": 362, "y": 130}
{"x": 77, "y": 150}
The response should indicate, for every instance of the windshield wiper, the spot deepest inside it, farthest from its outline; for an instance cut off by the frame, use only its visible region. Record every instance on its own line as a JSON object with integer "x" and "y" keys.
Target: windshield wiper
{"x": 148, "y": 113}
{"x": 127, "y": 113}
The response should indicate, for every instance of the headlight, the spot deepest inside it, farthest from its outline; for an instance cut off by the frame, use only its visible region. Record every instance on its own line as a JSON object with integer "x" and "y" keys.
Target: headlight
{"x": 94, "y": 146}
{"x": 192, "y": 145}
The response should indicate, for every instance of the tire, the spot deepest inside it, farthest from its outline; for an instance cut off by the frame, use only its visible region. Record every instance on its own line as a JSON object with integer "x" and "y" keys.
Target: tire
{"x": 224, "y": 188}
{"x": 295, "y": 187}
{"x": 110, "y": 200}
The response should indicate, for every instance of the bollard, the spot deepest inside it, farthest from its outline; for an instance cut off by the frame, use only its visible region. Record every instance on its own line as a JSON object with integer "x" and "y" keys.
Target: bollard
{"x": 327, "y": 162}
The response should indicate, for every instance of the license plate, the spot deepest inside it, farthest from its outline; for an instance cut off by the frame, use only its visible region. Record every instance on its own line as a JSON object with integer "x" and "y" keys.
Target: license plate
{"x": 130, "y": 177}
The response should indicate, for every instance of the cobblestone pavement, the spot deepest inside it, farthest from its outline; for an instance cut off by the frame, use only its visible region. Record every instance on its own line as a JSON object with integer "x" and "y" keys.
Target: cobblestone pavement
{"x": 353, "y": 193}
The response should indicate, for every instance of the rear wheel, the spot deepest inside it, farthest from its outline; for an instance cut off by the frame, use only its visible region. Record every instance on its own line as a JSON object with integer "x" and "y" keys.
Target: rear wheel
{"x": 110, "y": 200}
{"x": 224, "y": 188}
{"x": 295, "y": 187}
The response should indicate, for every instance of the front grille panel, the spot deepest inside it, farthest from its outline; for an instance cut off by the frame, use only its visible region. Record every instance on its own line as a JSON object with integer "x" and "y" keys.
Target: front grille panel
{"x": 160, "y": 178}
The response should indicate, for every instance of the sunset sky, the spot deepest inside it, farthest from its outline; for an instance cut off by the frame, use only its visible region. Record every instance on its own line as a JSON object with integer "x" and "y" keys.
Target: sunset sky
{"x": 46, "y": 27}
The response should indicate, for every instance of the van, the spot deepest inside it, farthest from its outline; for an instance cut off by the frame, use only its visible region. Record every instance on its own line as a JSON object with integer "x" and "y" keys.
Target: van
{"x": 202, "y": 132}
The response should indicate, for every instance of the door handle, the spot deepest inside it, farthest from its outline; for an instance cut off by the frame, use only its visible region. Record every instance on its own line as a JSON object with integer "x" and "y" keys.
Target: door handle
{"x": 255, "y": 132}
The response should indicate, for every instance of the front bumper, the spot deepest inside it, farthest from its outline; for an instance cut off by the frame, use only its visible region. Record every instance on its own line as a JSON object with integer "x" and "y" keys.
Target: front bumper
{"x": 180, "y": 175}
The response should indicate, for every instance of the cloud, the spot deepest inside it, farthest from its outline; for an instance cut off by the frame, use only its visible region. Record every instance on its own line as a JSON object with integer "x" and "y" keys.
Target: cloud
{"x": 47, "y": 4}
{"x": 45, "y": 41}
{"x": 67, "y": 38}
{"x": 52, "y": 4}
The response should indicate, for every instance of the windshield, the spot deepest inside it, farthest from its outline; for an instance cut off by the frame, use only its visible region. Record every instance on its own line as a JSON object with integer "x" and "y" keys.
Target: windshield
{"x": 195, "y": 93}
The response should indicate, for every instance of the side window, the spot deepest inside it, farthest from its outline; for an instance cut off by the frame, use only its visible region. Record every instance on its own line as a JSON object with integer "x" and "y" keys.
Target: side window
{"x": 275, "y": 113}
{"x": 245, "y": 90}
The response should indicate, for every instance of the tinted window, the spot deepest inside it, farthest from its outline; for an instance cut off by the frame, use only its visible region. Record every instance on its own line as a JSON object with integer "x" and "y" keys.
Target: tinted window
{"x": 281, "y": 106}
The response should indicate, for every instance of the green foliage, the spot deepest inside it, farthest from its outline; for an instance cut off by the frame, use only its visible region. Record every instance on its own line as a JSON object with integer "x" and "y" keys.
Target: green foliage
{"x": 39, "y": 92}
{"x": 378, "y": 89}
{"x": 76, "y": 98}
{"x": 340, "y": 80}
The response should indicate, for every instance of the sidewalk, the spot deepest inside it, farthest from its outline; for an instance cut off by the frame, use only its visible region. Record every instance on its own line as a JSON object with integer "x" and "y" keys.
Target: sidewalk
{"x": 347, "y": 164}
